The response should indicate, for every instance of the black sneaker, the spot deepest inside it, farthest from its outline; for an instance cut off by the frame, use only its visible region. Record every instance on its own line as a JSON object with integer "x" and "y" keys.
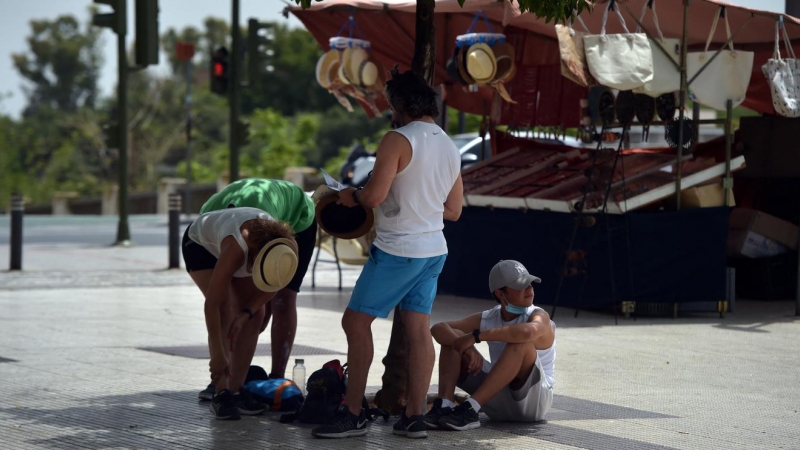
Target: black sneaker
{"x": 413, "y": 427}
{"x": 246, "y": 405}
{"x": 343, "y": 424}
{"x": 436, "y": 413}
{"x": 207, "y": 393}
{"x": 223, "y": 407}
{"x": 462, "y": 418}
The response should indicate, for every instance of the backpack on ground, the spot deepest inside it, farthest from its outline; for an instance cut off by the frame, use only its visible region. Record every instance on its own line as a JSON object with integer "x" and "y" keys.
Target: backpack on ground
{"x": 325, "y": 392}
{"x": 279, "y": 393}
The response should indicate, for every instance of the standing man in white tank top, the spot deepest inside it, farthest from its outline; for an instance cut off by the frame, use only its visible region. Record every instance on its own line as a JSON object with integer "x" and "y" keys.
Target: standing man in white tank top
{"x": 517, "y": 385}
{"x": 416, "y": 185}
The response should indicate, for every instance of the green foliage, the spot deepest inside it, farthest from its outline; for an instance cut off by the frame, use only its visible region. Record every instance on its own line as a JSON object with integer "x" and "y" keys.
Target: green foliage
{"x": 277, "y": 142}
{"x": 62, "y": 64}
{"x": 472, "y": 122}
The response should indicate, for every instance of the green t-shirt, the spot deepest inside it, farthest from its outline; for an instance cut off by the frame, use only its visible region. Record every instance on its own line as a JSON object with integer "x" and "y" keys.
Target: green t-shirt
{"x": 283, "y": 200}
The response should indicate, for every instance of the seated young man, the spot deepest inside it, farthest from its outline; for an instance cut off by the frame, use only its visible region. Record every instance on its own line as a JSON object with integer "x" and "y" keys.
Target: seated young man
{"x": 517, "y": 385}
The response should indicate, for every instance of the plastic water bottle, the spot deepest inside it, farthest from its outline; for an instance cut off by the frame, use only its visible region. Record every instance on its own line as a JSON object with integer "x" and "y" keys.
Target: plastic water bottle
{"x": 299, "y": 375}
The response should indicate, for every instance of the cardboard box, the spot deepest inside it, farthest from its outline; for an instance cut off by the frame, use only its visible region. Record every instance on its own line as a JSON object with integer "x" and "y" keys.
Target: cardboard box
{"x": 753, "y": 245}
{"x": 768, "y": 226}
{"x": 705, "y": 196}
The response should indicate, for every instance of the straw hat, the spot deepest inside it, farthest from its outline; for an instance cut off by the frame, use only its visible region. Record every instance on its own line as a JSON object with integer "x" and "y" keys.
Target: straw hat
{"x": 452, "y": 68}
{"x": 351, "y": 60}
{"x": 341, "y": 221}
{"x": 506, "y": 69}
{"x": 341, "y": 74}
{"x": 462, "y": 65}
{"x": 367, "y": 73}
{"x": 275, "y": 265}
{"x": 481, "y": 63}
{"x": 324, "y": 64}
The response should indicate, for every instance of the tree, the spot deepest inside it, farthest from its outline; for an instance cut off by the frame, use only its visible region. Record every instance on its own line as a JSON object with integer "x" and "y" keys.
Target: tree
{"x": 62, "y": 64}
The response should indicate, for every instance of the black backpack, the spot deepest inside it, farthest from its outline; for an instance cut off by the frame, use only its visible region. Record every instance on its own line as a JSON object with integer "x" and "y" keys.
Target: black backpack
{"x": 325, "y": 392}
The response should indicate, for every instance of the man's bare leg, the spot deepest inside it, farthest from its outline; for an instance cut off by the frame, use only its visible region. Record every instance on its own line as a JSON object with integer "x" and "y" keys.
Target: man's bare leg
{"x": 449, "y": 371}
{"x": 421, "y": 358}
{"x": 360, "y": 351}
{"x": 513, "y": 367}
{"x": 284, "y": 329}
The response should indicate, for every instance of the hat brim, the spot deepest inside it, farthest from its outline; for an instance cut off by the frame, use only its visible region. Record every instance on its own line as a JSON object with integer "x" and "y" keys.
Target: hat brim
{"x": 259, "y": 279}
{"x": 355, "y": 222}
{"x": 524, "y": 281}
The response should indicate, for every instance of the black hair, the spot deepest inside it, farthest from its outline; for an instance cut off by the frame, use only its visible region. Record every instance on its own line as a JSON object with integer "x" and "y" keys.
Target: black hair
{"x": 410, "y": 94}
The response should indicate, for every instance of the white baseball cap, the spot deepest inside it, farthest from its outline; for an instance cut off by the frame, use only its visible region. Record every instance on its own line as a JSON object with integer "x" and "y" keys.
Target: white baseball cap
{"x": 509, "y": 273}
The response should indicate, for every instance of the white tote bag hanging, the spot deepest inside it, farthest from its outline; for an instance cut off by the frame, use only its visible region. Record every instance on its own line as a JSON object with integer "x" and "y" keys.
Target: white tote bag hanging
{"x": 619, "y": 61}
{"x": 725, "y": 78}
{"x": 783, "y": 76}
{"x": 666, "y": 75}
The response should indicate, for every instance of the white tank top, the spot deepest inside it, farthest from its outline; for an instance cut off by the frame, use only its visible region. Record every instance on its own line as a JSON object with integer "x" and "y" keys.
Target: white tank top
{"x": 410, "y": 221}
{"x": 212, "y": 227}
{"x": 493, "y": 319}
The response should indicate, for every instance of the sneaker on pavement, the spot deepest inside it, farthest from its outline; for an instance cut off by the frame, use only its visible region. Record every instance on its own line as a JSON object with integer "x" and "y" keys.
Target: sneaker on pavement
{"x": 413, "y": 427}
{"x": 343, "y": 424}
{"x": 223, "y": 406}
{"x": 436, "y": 413}
{"x": 463, "y": 417}
{"x": 207, "y": 393}
{"x": 246, "y": 405}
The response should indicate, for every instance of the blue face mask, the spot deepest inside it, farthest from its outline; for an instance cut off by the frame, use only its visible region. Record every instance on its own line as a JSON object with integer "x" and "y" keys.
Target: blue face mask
{"x": 514, "y": 309}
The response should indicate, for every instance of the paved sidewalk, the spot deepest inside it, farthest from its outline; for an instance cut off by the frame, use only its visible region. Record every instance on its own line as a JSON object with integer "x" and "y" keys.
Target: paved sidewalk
{"x": 77, "y": 373}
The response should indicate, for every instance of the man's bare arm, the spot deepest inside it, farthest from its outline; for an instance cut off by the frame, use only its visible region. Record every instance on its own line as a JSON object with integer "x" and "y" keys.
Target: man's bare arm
{"x": 455, "y": 201}
{"x": 537, "y": 330}
{"x": 446, "y": 333}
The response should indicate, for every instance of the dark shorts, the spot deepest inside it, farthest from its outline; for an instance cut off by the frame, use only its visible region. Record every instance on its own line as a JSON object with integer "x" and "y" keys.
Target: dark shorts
{"x": 196, "y": 257}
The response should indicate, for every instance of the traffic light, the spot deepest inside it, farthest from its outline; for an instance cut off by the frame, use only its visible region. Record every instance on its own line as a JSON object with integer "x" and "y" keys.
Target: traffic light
{"x": 260, "y": 55}
{"x": 116, "y": 20}
{"x": 146, "y": 32}
{"x": 219, "y": 71}
{"x": 242, "y": 132}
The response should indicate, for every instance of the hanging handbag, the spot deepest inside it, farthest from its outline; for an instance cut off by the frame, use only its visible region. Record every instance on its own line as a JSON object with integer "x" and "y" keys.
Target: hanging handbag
{"x": 619, "y": 61}
{"x": 666, "y": 75}
{"x": 725, "y": 78}
{"x": 573, "y": 56}
{"x": 783, "y": 76}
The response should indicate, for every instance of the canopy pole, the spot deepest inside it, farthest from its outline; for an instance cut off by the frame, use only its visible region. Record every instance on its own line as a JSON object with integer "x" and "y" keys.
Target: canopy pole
{"x": 682, "y": 103}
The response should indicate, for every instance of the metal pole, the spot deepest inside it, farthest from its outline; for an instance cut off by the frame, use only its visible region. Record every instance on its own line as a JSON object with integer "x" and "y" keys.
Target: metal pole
{"x": 727, "y": 182}
{"x": 797, "y": 295}
{"x": 188, "y": 204}
{"x": 462, "y": 122}
{"x": 17, "y": 212}
{"x": 235, "y": 92}
{"x": 123, "y": 230}
{"x": 174, "y": 231}
{"x": 682, "y": 103}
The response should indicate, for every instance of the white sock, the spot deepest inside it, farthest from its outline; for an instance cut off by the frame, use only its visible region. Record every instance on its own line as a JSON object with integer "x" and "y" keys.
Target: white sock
{"x": 475, "y": 405}
{"x": 447, "y": 403}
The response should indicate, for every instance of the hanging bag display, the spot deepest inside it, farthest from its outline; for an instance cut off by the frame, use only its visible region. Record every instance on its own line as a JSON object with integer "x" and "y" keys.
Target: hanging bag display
{"x": 666, "y": 76}
{"x": 619, "y": 61}
{"x": 725, "y": 78}
{"x": 573, "y": 55}
{"x": 783, "y": 76}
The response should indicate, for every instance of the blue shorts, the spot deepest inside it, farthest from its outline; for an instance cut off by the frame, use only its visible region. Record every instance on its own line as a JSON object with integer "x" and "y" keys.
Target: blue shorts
{"x": 388, "y": 280}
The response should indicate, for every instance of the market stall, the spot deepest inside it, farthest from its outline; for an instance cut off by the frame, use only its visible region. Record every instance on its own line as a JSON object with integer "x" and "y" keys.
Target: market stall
{"x": 625, "y": 64}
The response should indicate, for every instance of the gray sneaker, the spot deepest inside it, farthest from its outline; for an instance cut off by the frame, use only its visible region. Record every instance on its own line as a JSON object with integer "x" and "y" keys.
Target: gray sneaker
{"x": 436, "y": 413}
{"x": 463, "y": 417}
{"x": 207, "y": 393}
{"x": 223, "y": 407}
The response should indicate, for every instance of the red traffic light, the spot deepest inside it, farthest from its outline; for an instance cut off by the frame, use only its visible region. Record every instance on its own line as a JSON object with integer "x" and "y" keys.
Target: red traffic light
{"x": 219, "y": 69}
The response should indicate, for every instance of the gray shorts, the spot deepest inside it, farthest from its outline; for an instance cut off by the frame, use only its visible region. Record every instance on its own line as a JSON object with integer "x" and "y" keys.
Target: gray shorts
{"x": 530, "y": 403}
